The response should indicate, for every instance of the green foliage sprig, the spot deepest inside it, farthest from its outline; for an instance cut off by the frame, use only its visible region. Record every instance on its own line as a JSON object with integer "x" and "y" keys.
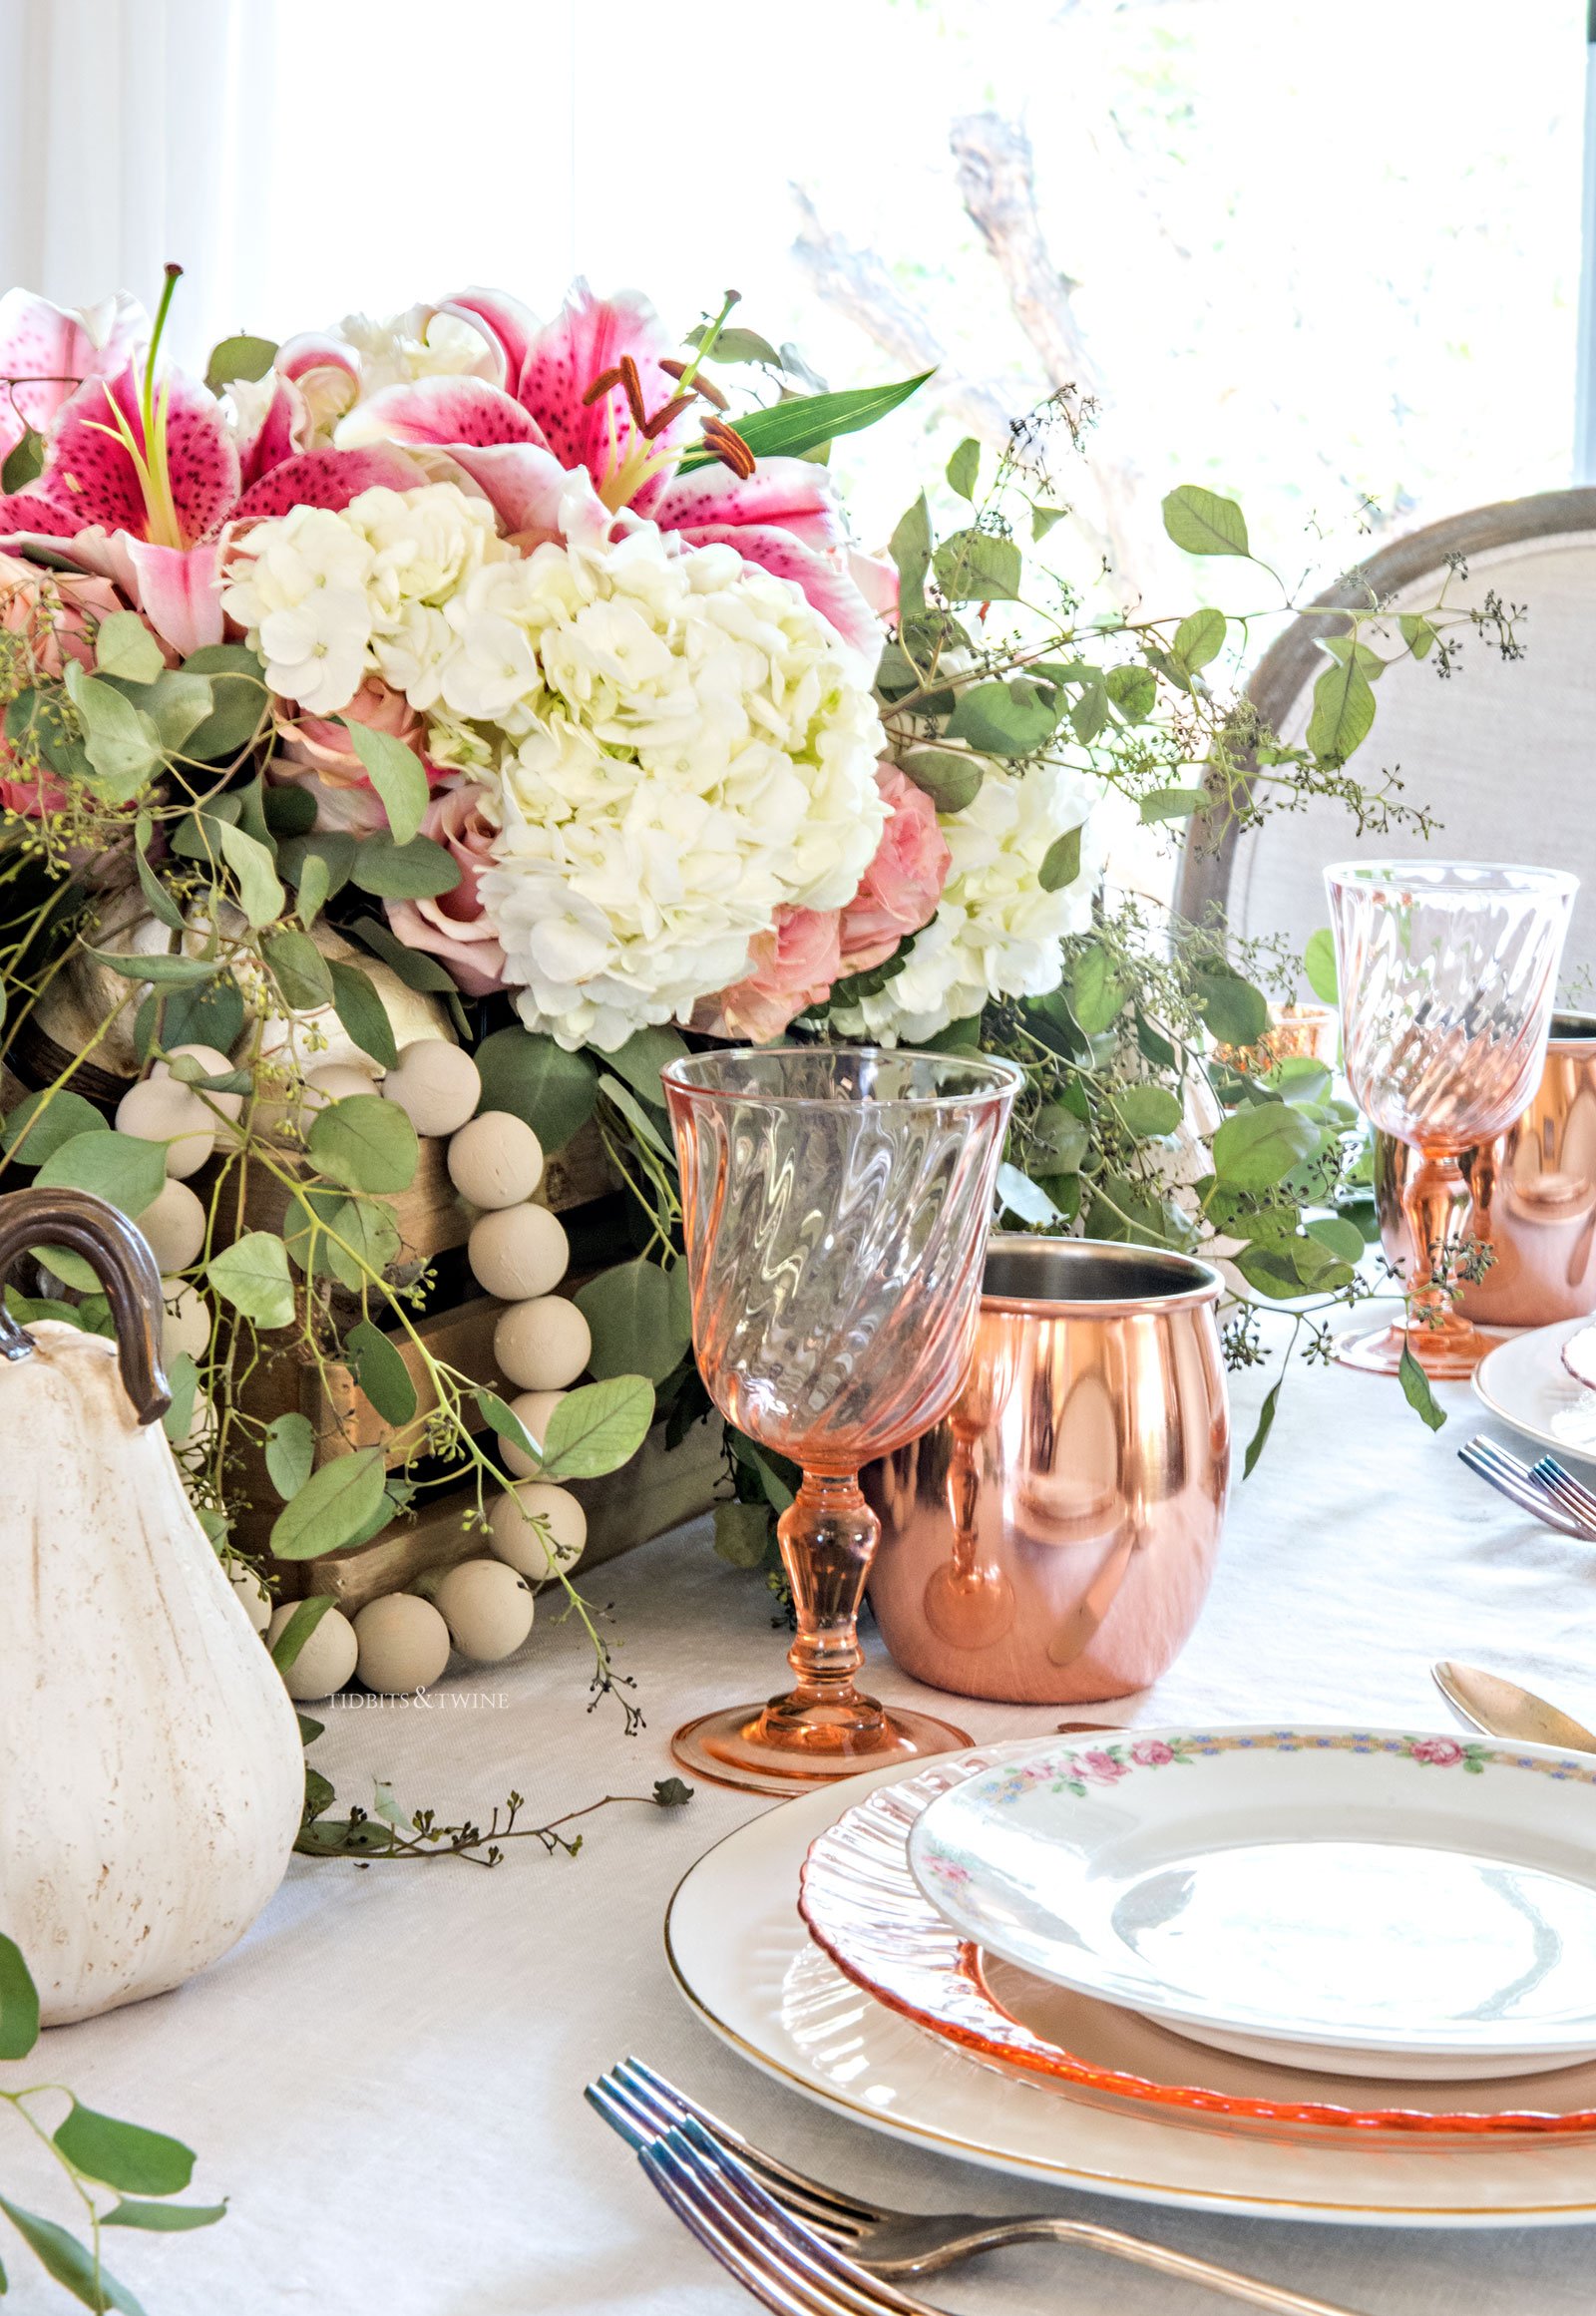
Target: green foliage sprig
{"x": 122, "y": 2174}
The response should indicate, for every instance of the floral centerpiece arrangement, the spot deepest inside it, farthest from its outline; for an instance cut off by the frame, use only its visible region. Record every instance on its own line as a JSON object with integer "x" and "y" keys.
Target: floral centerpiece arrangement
{"x": 531, "y": 673}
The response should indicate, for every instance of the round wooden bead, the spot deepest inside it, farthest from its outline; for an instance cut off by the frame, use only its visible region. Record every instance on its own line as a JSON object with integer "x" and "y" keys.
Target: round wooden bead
{"x": 516, "y": 1252}
{"x": 516, "y": 1540}
{"x": 161, "y": 1109}
{"x": 328, "y": 1659}
{"x": 541, "y": 1346}
{"x": 531, "y": 1409}
{"x": 496, "y": 1161}
{"x": 436, "y": 1084}
{"x": 174, "y": 1226}
{"x": 336, "y": 1081}
{"x": 403, "y": 1644}
{"x": 214, "y": 1064}
{"x": 185, "y": 1321}
{"x": 487, "y": 1608}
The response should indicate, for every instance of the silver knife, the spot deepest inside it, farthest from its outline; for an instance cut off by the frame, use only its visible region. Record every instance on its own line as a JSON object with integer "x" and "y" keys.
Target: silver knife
{"x": 1501, "y": 1709}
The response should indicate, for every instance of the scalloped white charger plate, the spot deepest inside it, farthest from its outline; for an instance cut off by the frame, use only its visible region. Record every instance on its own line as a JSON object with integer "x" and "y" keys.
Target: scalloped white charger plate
{"x": 1524, "y": 1382}
{"x": 747, "y": 1967}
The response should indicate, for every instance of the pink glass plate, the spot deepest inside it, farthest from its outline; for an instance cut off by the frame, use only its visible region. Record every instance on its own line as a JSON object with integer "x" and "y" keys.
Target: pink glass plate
{"x": 864, "y": 1910}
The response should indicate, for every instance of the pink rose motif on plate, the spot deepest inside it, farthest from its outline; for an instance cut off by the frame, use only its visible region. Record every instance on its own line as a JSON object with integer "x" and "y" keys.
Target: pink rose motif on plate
{"x": 451, "y": 926}
{"x": 1442, "y": 1753}
{"x": 1099, "y": 1768}
{"x": 1151, "y": 1753}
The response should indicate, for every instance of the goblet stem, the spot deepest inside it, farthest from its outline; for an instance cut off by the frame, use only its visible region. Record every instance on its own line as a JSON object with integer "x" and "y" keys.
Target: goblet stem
{"x": 828, "y": 1536}
{"x": 1434, "y": 1203}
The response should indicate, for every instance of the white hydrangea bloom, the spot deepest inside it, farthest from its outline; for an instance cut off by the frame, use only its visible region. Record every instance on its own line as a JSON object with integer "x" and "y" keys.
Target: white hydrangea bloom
{"x": 692, "y": 749}
{"x": 332, "y": 598}
{"x": 996, "y": 933}
{"x": 422, "y": 344}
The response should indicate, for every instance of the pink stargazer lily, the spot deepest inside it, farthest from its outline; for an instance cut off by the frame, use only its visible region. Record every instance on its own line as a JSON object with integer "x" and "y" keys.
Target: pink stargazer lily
{"x": 140, "y": 482}
{"x": 520, "y": 434}
{"x": 46, "y": 353}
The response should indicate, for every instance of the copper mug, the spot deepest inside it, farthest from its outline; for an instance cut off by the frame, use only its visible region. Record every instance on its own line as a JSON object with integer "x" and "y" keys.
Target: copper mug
{"x": 1531, "y": 1195}
{"x": 1051, "y": 1541}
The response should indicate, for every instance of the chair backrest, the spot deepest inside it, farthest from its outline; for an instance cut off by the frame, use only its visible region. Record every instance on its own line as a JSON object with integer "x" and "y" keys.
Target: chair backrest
{"x": 1502, "y": 752}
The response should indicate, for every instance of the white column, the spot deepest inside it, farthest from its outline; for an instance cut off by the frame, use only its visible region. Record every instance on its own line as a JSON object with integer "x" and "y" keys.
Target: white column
{"x": 1585, "y": 392}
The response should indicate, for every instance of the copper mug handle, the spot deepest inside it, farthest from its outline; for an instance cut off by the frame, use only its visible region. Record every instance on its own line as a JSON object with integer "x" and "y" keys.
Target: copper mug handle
{"x": 121, "y": 1261}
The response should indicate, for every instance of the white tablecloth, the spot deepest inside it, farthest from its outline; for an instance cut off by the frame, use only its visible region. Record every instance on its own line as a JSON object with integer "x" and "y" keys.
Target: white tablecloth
{"x": 385, "y": 2078}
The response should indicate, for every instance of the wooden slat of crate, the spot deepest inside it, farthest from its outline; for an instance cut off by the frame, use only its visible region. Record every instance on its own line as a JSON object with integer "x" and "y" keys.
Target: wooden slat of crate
{"x": 656, "y": 1490}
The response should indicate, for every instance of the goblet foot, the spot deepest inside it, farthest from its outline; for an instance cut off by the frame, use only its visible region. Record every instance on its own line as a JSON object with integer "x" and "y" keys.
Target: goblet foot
{"x": 1446, "y": 1353}
{"x": 785, "y": 1746}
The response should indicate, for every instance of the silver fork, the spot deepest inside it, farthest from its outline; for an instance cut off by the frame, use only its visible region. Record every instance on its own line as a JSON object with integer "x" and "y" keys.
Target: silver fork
{"x": 736, "y": 2199}
{"x": 1571, "y": 1493}
{"x": 1517, "y": 1484}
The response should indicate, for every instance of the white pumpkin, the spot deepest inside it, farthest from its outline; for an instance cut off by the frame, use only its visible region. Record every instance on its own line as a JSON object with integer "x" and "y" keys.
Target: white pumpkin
{"x": 151, "y": 1771}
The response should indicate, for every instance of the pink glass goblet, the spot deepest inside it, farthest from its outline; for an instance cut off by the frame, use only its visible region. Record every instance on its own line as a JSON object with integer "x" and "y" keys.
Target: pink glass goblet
{"x": 835, "y": 1203}
{"x": 1448, "y": 973}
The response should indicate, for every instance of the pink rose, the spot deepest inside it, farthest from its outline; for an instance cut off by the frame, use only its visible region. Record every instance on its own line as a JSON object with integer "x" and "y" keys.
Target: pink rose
{"x": 55, "y": 613}
{"x": 1442, "y": 1753}
{"x": 1099, "y": 1768}
{"x": 791, "y": 966}
{"x": 315, "y": 754}
{"x": 1151, "y": 1753}
{"x": 902, "y": 884}
{"x": 451, "y": 926}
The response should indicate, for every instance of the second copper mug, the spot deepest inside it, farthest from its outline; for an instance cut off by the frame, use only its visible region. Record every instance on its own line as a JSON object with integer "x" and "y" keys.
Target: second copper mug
{"x": 1051, "y": 1540}
{"x": 1532, "y": 1195}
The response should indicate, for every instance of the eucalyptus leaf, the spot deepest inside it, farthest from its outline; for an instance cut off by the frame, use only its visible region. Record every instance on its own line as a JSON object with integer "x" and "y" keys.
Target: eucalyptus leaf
{"x": 333, "y": 847}
{"x": 208, "y": 1015}
{"x": 597, "y": 1429}
{"x": 70, "y": 2264}
{"x": 120, "y": 1168}
{"x": 964, "y": 466}
{"x": 1264, "y": 1424}
{"x": 314, "y": 890}
{"x": 167, "y": 973}
{"x": 365, "y": 1143}
{"x": 290, "y": 1453}
{"x": 1257, "y": 1146}
{"x": 381, "y": 1372}
{"x": 950, "y": 781}
{"x": 742, "y": 1533}
{"x": 910, "y": 548}
{"x": 160, "y": 903}
{"x": 1344, "y": 712}
{"x": 1096, "y": 993}
{"x": 165, "y": 2218}
{"x": 1418, "y": 633}
{"x": 1203, "y": 523}
{"x": 259, "y": 889}
{"x": 1042, "y": 519}
{"x": 507, "y": 1424}
{"x": 636, "y": 1115}
{"x": 1134, "y": 692}
{"x": 1171, "y": 804}
{"x": 977, "y": 566}
{"x": 252, "y": 1274}
{"x": 1148, "y": 1111}
{"x": 367, "y": 1228}
{"x": 241, "y": 357}
{"x": 121, "y": 743}
{"x": 43, "y": 1121}
{"x": 306, "y": 1615}
{"x": 239, "y": 695}
{"x": 416, "y": 871}
{"x": 124, "y": 645}
{"x": 1229, "y": 1005}
{"x": 363, "y": 1015}
{"x": 124, "y": 2154}
{"x": 1198, "y": 639}
{"x": 1025, "y": 1198}
{"x": 177, "y": 703}
{"x": 1318, "y": 963}
{"x": 641, "y": 1059}
{"x": 300, "y": 971}
{"x": 24, "y": 464}
{"x": 183, "y": 1380}
{"x": 414, "y": 967}
{"x": 1061, "y": 864}
{"x": 332, "y": 1506}
{"x": 549, "y": 1089}
{"x": 19, "y": 2002}
{"x": 1417, "y": 1391}
{"x": 1003, "y": 720}
{"x": 1342, "y": 1238}
{"x": 634, "y": 1322}
{"x": 396, "y": 773}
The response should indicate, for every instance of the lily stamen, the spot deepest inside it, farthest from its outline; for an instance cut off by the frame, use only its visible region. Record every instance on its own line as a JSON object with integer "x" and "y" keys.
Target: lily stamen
{"x": 724, "y": 443}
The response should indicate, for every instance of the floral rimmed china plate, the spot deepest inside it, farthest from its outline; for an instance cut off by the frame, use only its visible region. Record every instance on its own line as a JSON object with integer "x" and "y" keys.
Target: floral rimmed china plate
{"x": 865, "y": 1912}
{"x": 1366, "y": 1902}
{"x": 1525, "y": 1383}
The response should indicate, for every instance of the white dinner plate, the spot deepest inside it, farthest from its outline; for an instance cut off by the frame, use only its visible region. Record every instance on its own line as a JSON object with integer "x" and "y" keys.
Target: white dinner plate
{"x": 1363, "y": 1901}
{"x": 747, "y": 1967}
{"x": 1525, "y": 1381}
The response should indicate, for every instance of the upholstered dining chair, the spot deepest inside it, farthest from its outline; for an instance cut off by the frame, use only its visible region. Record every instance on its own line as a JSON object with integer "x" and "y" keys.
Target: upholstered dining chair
{"x": 1502, "y": 752}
